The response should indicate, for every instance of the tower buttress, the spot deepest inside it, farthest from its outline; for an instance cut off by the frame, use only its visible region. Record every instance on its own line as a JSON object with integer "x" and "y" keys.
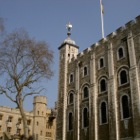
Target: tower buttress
{"x": 67, "y": 51}
{"x": 39, "y": 116}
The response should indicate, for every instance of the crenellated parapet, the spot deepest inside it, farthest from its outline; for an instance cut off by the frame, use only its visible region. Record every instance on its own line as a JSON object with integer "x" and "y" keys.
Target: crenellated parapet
{"x": 120, "y": 33}
{"x": 40, "y": 99}
{"x": 102, "y": 79}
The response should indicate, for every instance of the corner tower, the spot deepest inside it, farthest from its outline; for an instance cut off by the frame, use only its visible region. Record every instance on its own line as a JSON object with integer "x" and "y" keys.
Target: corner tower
{"x": 67, "y": 51}
{"x": 39, "y": 103}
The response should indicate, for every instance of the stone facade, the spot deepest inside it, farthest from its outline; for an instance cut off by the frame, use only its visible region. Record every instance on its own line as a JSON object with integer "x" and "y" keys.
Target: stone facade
{"x": 41, "y": 122}
{"x": 98, "y": 94}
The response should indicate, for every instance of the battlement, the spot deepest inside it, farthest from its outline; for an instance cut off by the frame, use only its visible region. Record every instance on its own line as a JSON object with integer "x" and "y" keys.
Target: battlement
{"x": 40, "y": 99}
{"x": 12, "y": 111}
{"x": 119, "y": 33}
{"x": 138, "y": 19}
{"x": 122, "y": 31}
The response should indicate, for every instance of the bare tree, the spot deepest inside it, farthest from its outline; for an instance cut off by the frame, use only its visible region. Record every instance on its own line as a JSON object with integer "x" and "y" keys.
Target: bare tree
{"x": 23, "y": 62}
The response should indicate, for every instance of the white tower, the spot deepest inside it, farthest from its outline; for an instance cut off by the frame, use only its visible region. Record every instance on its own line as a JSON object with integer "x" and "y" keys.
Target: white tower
{"x": 67, "y": 51}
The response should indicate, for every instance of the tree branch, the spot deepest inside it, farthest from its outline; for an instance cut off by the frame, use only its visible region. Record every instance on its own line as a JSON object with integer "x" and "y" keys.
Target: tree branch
{"x": 4, "y": 92}
{"x": 31, "y": 93}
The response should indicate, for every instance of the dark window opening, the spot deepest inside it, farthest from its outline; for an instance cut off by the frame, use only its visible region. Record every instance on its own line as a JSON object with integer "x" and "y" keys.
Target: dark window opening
{"x": 1, "y": 116}
{"x": 18, "y": 131}
{"x": 85, "y": 118}
{"x": 103, "y": 85}
{"x": 71, "y": 98}
{"x": 125, "y": 107}
{"x": 9, "y": 129}
{"x": 101, "y": 62}
{"x": 10, "y": 119}
{"x": 70, "y": 121}
{"x": 123, "y": 77}
{"x": 86, "y": 92}
{"x": 41, "y": 133}
{"x": 19, "y": 121}
{"x": 28, "y": 122}
{"x": 103, "y": 113}
{"x": 71, "y": 78}
{"x": 85, "y": 71}
{"x": 120, "y": 53}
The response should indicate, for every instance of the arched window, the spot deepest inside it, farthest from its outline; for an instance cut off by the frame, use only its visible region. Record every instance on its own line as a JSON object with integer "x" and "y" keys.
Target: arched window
{"x": 86, "y": 92}
{"x": 71, "y": 98}
{"x": 123, "y": 77}
{"x": 101, "y": 62}
{"x": 70, "y": 121}
{"x": 71, "y": 78}
{"x": 85, "y": 71}
{"x": 103, "y": 113}
{"x": 120, "y": 53}
{"x": 102, "y": 85}
{"x": 85, "y": 118}
{"x": 125, "y": 107}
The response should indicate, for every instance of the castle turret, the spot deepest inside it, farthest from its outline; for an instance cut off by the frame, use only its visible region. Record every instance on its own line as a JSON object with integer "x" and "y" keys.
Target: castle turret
{"x": 67, "y": 51}
{"x": 40, "y": 103}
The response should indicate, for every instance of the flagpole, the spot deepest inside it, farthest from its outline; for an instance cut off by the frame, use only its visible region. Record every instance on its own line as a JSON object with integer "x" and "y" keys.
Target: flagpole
{"x": 102, "y": 18}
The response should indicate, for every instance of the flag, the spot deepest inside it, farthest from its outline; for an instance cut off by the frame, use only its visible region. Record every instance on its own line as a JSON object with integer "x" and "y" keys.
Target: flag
{"x": 102, "y": 7}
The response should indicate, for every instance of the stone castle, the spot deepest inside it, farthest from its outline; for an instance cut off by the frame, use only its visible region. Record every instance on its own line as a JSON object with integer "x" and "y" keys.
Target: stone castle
{"x": 40, "y": 121}
{"x": 99, "y": 88}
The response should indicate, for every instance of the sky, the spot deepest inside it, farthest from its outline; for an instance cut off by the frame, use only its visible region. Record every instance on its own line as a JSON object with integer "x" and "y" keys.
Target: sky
{"x": 45, "y": 20}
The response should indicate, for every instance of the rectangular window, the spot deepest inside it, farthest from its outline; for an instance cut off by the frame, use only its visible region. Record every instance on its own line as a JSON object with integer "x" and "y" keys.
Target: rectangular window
{"x": 85, "y": 72}
{"x": 19, "y": 121}
{"x": 101, "y": 62}
{"x": 41, "y": 133}
{"x": 1, "y": 117}
{"x": 10, "y": 119}
{"x": 9, "y": 129}
{"x": 71, "y": 78}
{"x": 29, "y": 132}
{"x": 19, "y": 131}
{"x": 28, "y": 122}
{"x": 48, "y": 134}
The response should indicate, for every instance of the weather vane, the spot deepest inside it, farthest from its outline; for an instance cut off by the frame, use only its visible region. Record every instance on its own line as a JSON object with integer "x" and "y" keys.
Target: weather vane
{"x": 69, "y": 27}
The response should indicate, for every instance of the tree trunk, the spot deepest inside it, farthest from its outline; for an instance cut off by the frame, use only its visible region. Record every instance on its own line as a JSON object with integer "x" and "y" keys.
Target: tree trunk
{"x": 25, "y": 127}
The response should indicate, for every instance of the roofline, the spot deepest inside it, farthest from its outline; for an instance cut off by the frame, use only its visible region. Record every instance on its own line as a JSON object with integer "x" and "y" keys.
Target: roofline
{"x": 63, "y": 44}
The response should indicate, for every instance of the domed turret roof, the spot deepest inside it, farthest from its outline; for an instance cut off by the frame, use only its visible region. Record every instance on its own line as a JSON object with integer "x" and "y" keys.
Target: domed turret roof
{"x": 69, "y": 41}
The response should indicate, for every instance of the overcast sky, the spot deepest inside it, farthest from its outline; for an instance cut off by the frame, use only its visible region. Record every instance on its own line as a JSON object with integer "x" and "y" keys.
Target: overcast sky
{"x": 46, "y": 20}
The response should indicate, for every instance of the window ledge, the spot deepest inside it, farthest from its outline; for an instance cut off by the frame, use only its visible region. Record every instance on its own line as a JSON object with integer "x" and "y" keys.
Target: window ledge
{"x": 123, "y": 119}
{"x": 120, "y": 85}
{"x": 101, "y": 68}
{"x": 103, "y": 123}
{"x": 85, "y": 99}
{"x": 121, "y": 58}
